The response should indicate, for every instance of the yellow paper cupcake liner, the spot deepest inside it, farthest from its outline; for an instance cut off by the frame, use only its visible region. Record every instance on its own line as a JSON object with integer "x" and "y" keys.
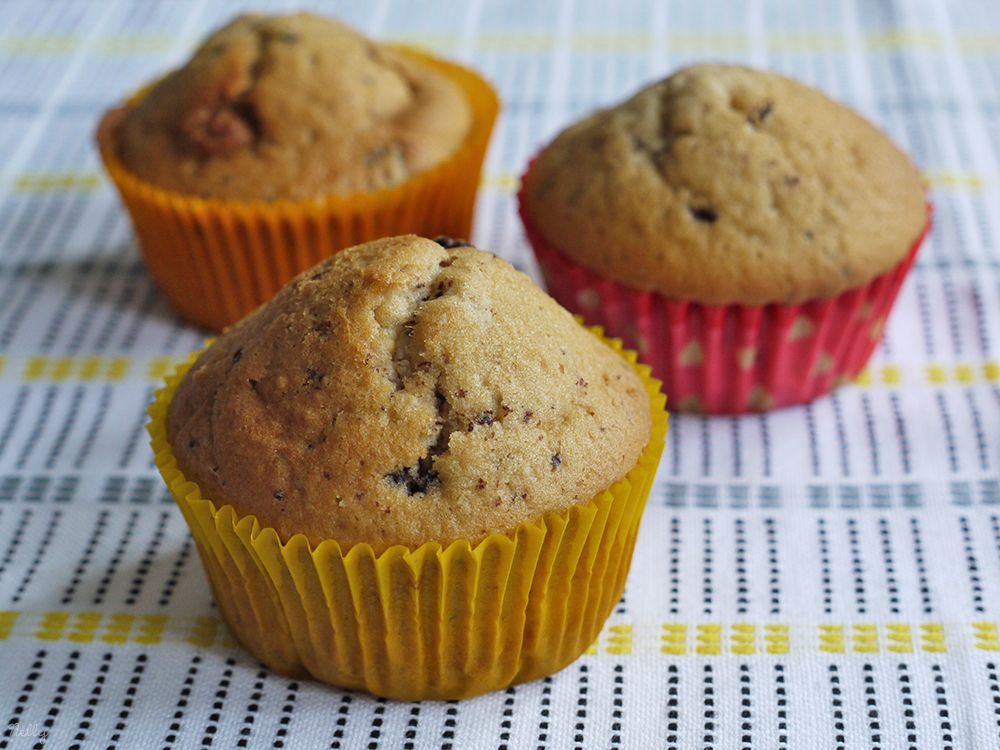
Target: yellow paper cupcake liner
{"x": 217, "y": 260}
{"x": 429, "y": 623}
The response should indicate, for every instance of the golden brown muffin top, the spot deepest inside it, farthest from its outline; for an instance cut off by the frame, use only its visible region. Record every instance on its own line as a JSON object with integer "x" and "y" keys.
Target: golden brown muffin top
{"x": 723, "y": 185}
{"x": 295, "y": 107}
{"x": 404, "y": 392}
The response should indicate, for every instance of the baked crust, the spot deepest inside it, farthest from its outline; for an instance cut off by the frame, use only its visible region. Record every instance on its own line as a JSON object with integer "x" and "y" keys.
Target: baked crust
{"x": 293, "y": 107}
{"x": 727, "y": 185}
{"x": 403, "y": 392}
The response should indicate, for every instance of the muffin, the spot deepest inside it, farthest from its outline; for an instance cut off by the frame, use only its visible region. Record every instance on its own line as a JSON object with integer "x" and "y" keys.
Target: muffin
{"x": 741, "y": 230}
{"x": 282, "y": 140}
{"x": 412, "y": 472}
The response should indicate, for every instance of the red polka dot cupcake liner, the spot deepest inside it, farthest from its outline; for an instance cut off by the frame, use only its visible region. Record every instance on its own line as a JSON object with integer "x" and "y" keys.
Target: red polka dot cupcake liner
{"x": 731, "y": 359}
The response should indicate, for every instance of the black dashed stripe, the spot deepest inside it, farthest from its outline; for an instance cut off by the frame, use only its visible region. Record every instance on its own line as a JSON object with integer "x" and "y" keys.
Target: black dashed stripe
{"x": 95, "y": 426}
{"x": 977, "y": 425}
{"x": 781, "y": 702}
{"x": 583, "y": 680}
{"x": 909, "y": 725}
{"x": 67, "y": 426}
{"x": 618, "y": 705}
{"x": 943, "y": 712}
{"x": 112, "y": 569}
{"x": 411, "y": 727}
{"x": 16, "y": 540}
{"x": 674, "y": 570}
{"x": 177, "y": 719}
{"x": 128, "y": 702}
{"x": 746, "y": 709}
{"x": 742, "y": 587}
{"x": 507, "y": 717}
{"x": 253, "y": 708}
{"x": 814, "y": 461}
{"x": 773, "y": 569}
{"x": 673, "y": 707}
{"x": 176, "y": 571}
{"x": 994, "y": 683}
{"x": 65, "y": 682}
{"x": 142, "y": 570}
{"x": 43, "y": 546}
{"x": 707, "y": 567}
{"x": 825, "y": 572}
{"x": 706, "y": 447}
{"x": 450, "y": 722}
{"x": 901, "y": 432}
{"x": 544, "y": 713}
{"x": 972, "y": 565}
{"x": 39, "y": 423}
{"x": 891, "y": 583}
{"x": 866, "y": 407}
{"x": 871, "y": 708}
{"x": 918, "y": 558}
{"x": 18, "y": 713}
{"x": 708, "y": 706}
{"x": 737, "y": 460}
{"x": 136, "y": 435}
{"x": 949, "y": 433}
{"x": 765, "y": 444}
{"x": 96, "y": 691}
{"x": 218, "y": 705}
{"x": 15, "y": 417}
{"x": 378, "y": 720}
{"x": 857, "y": 566}
{"x": 924, "y": 308}
{"x": 842, "y": 443}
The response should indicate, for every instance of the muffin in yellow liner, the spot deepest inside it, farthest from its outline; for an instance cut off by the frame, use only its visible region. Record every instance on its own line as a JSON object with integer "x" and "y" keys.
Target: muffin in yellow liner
{"x": 427, "y": 623}
{"x": 217, "y": 259}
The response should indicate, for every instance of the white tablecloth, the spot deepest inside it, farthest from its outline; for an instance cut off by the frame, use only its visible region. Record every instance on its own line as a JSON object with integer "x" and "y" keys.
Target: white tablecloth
{"x": 826, "y": 576}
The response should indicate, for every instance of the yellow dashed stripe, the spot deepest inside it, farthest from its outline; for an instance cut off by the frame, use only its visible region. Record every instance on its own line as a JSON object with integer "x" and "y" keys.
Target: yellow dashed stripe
{"x": 620, "y": 639}
{"x": 115, "y": 368}
{"x": 505, "y": 182}
{"x": 57, "y": 181}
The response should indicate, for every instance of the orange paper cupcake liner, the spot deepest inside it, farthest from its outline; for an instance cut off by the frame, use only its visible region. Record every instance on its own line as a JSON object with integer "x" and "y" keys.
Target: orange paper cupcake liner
{"x": 428, "y": 623}
{"x": 217, "y": 260}
{"x": 730, "y": 359}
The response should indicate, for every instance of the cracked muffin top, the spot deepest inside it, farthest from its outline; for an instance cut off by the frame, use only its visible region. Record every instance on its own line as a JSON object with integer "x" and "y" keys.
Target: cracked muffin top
{"x": 406, "y": 391}
{"x": 727, "y": 185}
{"x": 294, "y": 107}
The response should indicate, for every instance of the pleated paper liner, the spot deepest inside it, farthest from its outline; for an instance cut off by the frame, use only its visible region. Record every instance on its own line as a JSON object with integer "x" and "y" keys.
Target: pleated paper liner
{"x": 217, "y": 260}
{"x": 730, "y": 359}
{"x": 430, "y": 623}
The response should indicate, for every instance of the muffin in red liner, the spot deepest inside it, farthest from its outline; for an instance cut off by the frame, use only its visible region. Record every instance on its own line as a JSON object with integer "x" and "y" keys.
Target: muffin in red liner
{"x": 730, "y": 359}
{"x": 745, "y": 234}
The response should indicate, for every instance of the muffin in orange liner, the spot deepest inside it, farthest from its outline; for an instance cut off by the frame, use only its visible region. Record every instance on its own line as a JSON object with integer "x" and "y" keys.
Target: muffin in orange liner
{"x": 216, "y": 259}
{"x": 427, "y": 623}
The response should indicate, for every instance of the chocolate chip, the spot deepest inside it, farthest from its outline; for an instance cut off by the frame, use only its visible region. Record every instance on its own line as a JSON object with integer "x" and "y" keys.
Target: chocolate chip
{"x": 760, "y": 114}
{"x": 415, "y": 480}
{"x": 704, "y": 213}
{"x": 314, "y": 378}
{"x": 485, "y": 418}
{"x": 450, "y": 242}
{"x": 278, "y": 495}
{"x": 556, "y": 460}
{"x": 527, "y": 416}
